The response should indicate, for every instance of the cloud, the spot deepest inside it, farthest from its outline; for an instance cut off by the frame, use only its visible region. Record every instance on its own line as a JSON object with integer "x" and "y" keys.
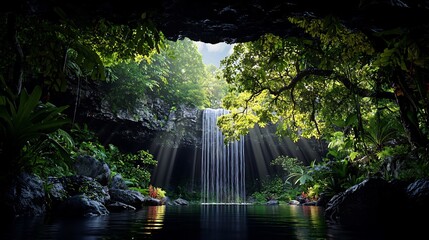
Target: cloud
{"x": 200, "y": 45}
{"x": 212, "y": 48}
{"x": 214, "y": 53}
{"x": 218, "y": 47}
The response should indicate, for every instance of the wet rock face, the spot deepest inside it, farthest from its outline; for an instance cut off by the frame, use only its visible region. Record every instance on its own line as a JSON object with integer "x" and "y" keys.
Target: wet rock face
{"x": 177, "y": 128}
{"x": 25, "y": 197}
{"x": 153, "y": 122}
{"x": 418, "y": 193}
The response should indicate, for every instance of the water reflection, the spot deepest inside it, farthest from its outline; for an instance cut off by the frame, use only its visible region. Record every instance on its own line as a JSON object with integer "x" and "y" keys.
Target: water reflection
{"x": 223, "y": 221}
{"x": 155, "y": 218}
{"x": 262, "y": 222}
{"x": 286, "y": 222}
{"x": 202, "y": 222}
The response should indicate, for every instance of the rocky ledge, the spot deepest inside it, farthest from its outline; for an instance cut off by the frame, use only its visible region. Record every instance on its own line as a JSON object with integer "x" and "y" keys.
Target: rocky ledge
{"x": 91, "y": 192}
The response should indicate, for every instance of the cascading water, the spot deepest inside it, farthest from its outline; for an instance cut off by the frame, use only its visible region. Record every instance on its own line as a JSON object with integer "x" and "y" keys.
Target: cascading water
{"x": 223, "y": 166}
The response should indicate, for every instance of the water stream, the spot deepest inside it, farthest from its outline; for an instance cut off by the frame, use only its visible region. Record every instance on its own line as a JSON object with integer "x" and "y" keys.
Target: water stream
{"x": 223, "y": 165}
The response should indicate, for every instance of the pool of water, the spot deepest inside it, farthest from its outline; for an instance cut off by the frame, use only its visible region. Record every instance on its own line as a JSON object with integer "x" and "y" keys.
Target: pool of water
{"x": 191, "y": 222}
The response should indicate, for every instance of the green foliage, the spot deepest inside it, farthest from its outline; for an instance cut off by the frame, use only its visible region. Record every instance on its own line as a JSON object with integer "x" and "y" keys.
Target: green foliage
{"x": 329, "y": 176}
{"x": 215, "y": 87}
{"x": 176, "y": 75}
{"x": 335, "y": 37}
{"x": 50, "y": 155}
{"x": 390, "y": 151}
{"x": 135, "y": 168}
{"x": 294, "y": 169}
{"x": 50, "y": 54}
{"x": 91, "y": 148}
{"x": 383, "y": 130}
{"x": 25, "y": 121}
{"x": 56, "y": 52}
{"x": 131, "y": 84}
{"x": 259, "y": 197}
{"x": 402, "y": 50}
{"x": 143, "y": 191}
{"x": 330, "y": 86}
{"x": 181, "y": 81}
{"x": 304, "y": 86}
{"x": 341, "y": 175}
{"x": 340, "y": 146}
{"x": 331, "y": 82}
{"x": 275, "y": 188}
{"x": 289, "y": 164}
{"x": 403, "y": 61}
{"x": 116, "y": 43}
{"x": 411, "y": 169}
{"x": 82, "y": 133}
{"x": 302, "y": 177}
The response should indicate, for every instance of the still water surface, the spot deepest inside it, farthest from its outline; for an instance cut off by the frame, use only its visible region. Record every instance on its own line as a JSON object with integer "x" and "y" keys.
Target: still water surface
{"x": 205, "y": 222}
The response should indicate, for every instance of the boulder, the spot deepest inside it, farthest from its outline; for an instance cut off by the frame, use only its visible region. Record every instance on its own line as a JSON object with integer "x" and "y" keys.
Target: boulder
{"x": 78, "y": 185}
{"x": 24, "y": 197}
{"x": 81, "y": 205}
{"x": 91, "y": 167}
{"x": 368, "y": 203}
{"x": 129, "y": 197}
{"x": 119, "y": 207}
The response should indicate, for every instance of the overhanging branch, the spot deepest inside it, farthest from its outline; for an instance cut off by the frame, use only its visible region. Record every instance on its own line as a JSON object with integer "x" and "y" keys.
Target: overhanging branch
{"x": 331, "y": 74}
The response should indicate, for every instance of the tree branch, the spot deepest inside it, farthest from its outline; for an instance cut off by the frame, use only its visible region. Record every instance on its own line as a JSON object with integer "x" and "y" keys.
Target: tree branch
{"x": 329, "y": 73}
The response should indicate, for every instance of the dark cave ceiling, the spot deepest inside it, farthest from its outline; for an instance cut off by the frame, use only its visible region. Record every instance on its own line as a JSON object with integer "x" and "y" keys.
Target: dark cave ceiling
{"x": 233, "y": 21}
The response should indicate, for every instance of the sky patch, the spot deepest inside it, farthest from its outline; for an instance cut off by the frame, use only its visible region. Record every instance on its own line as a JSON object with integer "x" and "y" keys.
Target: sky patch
{"x": 214, "y": 53}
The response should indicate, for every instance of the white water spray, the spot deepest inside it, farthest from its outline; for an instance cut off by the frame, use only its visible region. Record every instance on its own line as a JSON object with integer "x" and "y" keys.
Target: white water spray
{"x": 223, "y": 166}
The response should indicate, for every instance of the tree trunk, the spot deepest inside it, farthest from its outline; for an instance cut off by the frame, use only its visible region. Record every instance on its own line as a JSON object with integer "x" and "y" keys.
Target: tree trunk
{"x": 17, "y": 73}
{"x": 409, "y": 119}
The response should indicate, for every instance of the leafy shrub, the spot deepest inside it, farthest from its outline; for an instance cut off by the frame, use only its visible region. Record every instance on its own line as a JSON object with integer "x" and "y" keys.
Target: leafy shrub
{"x": 156, "y": 192}
{"x": 26, "y": 121}
{"x": 136, "y": 168}
{"x": 275, "y": 188}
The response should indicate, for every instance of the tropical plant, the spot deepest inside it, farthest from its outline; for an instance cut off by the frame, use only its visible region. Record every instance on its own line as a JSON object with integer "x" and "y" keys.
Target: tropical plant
{"x": 50, "y": 155}
{"x": 301, "y": 177}
{"x": 383, "y": 131}
{"x": 340, "y": 146}
{"x": 25, "y": 119}
{"x": 294, "y": 169}
{"x": 156, "y": 192}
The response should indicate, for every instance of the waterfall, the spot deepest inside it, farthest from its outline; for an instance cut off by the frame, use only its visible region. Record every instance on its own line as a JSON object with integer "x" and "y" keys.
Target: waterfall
{"x": 223, "y": 166}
